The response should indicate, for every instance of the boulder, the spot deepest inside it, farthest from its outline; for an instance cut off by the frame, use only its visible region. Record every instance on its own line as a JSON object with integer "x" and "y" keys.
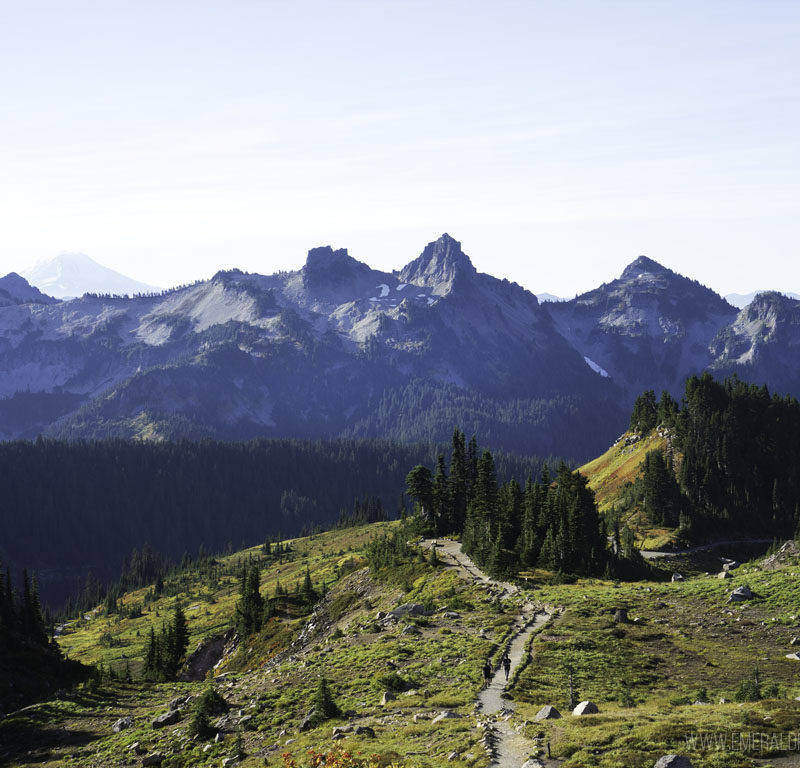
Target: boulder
{"x": 245, "y": 722}
{"x": 408, "y": 609}
{"x": 677, "y": 576}
{"x": 739, "y": 594}
{"x": 137, "y": 748}
{"x": 547, "y": 713}
{"x": 446, "y": 715}
{"x": 451, "y": 615}
{"x": 341, "y": 730}
{"x": 168, "y": 718}
{"x": 179, "y": 701}
{"x": 730, "y": 565}
{"x": 794, "y": 641}
{"x": 793, "y": 656}
{"x": 387, "y": 697}
{"x": 229, "y": 761}
{"x": 673, "y": 761}
{"x": 621, "y": 616}
{"x": 155, "y": 759}
{"x": 724, "y": 575}
{"x": 364, "y": 730}
{"x": 453, "y": 756}
{"x": 410, "y": 630}
{"x": 122, "y": 724}
{"x": 586, "y": 708}
{"x": 309, "y": 721}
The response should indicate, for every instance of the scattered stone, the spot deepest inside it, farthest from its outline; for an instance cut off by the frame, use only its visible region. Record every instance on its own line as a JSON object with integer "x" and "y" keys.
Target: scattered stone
{"x": 724, "y": 575}
{"x": 532, "y": 763}
{"x": 122, "y": 724}
{"x": 451, "y": 615}
{"x": 793, "y": 656}
{"x": 168, "y": 718}
{"x": 547, "y": 713}
{"x": 723, "y": 700}
{"x": 245, "y": 722}
{"x": 179, "y": 701}
{"x": 208, "y": 748}
{"x": 586, "y": 708}
{"x": 419, "y": 716}
{"x": 289, "y": 741}
{"x": 380, "y": 615}
{"x": 309, "y": 721}
{"x": 730, "y": 566}
{"x": 219, "y": 737}
{"x": 677, "y": 576}
{"x": 137, "y": 748}
{"x": 229, "y": 761}
{"x": 410, "y": 630}
{"x": 387, "y": 697}
{"x": 621, "y": 616}
{"x": 453, "y": 756}
{"x": 155, "y": 759}
{"x": 673, "y": 761}
{"x": 739, "y": 594}
{"x": 446, "y": 715}
{"x": 407, "y": 609}
{"x": 341, "y": 730}
{"x": 699, "y": 703}
{"x": 794, "y": 641}
{"x": 364, "y": 730}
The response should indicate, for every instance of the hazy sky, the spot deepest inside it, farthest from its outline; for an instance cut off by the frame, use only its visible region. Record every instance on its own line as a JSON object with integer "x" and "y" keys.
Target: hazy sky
{"x": 557, "y": 140}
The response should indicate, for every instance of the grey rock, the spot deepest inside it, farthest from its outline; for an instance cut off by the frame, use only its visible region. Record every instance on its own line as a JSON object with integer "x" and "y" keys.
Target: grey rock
{"x": 246, "y": 722}
{"x": 673, "y": 761}
{"x": 533, "y": 763}
{"x": 621, "y": 616}
{"x": 724, "y": 575}
{"x": 179, "y": 701}
{"x": 122, "y": 724}
{"x": 410, "y": 630}
{"x": 547, "y": 712}
{"x": 408, "y": 609}
{"x": 677, "y": 576}
{"x": 794, "y": 641}
{"x": 341, "y": 730}
{"x": 219, "y": 737}
{"x": 229, "y": 761}
{"x": 387, "y": 697}
{"x": 446, "y": 715}
{"x": 453, "y": 756}
{"x": 585, "y": 708}
{"x": 740, "y": 593}
{"x": 137, "y": 748}
{"x": 308, "y": 722}
{"x": 168, "y": 718}
{"x": 364, "y": 730}
{"x": 155, "y": 759}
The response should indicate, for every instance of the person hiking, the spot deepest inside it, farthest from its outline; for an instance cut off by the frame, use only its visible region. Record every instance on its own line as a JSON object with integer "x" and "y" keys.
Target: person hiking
{"x": 487, "y": 674}
{"x": 506, "y": 662}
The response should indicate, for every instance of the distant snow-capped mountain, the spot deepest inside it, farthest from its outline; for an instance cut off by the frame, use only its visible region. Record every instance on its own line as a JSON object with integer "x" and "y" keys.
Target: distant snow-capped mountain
{"x": 741, "y": 300}
{"x": 73, "y": 274}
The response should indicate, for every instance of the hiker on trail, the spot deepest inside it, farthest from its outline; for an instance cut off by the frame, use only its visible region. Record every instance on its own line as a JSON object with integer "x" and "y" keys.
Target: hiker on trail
{"x": 487, "y": 674}
{"x": 506, "y": 662}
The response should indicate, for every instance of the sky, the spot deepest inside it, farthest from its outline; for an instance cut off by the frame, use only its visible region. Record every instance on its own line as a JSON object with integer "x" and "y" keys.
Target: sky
{"x": 556, "y": 140}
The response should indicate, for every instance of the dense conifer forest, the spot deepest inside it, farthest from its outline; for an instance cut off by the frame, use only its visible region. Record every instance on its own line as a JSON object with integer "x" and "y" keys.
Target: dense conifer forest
{"x": 80, "y": 508}
{"x": 732, "y": 463}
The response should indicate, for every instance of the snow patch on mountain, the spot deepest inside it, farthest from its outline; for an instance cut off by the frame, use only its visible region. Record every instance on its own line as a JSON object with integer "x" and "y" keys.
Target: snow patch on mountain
{"x": 595, "y": 367}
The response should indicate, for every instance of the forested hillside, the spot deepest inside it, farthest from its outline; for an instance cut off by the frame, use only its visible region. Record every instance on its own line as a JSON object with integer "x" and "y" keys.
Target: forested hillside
{"x": 74, "y": 508}
{"x": 727, "y": 462}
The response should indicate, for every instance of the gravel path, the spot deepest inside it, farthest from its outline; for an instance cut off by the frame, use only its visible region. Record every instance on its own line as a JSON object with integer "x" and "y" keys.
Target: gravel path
{"x": 511, "y": 749}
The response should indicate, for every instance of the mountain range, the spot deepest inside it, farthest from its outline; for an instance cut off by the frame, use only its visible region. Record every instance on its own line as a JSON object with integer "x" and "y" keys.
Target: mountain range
{"x": 337, "y": 348}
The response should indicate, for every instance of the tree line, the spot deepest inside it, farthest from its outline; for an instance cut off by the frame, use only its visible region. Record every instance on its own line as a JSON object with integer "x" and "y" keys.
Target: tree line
{"x": 732, "y": 460}
{"x": 550, "y": 523}
{"x": 73, "y": 508}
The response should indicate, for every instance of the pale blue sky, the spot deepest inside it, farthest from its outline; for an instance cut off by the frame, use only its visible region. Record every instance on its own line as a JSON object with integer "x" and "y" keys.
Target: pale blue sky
{"x": 556, "y": 140}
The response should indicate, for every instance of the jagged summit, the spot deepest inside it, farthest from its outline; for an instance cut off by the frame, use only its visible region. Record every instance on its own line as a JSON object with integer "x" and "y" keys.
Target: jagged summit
{"x": 440, "y": 266}
{"x": 332, "y": 267}
{"x": 644, "y": 265}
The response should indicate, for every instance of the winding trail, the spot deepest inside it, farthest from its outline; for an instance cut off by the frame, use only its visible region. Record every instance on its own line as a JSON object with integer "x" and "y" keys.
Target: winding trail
{"x": 508, "y": 749}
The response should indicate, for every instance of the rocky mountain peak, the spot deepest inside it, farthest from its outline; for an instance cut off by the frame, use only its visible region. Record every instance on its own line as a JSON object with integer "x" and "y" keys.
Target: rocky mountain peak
{"x": 17, "y": 289}
{"x": 644, "y": 265}
{"x": 324, "y": 265}
{"x": 440, "y": 266}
